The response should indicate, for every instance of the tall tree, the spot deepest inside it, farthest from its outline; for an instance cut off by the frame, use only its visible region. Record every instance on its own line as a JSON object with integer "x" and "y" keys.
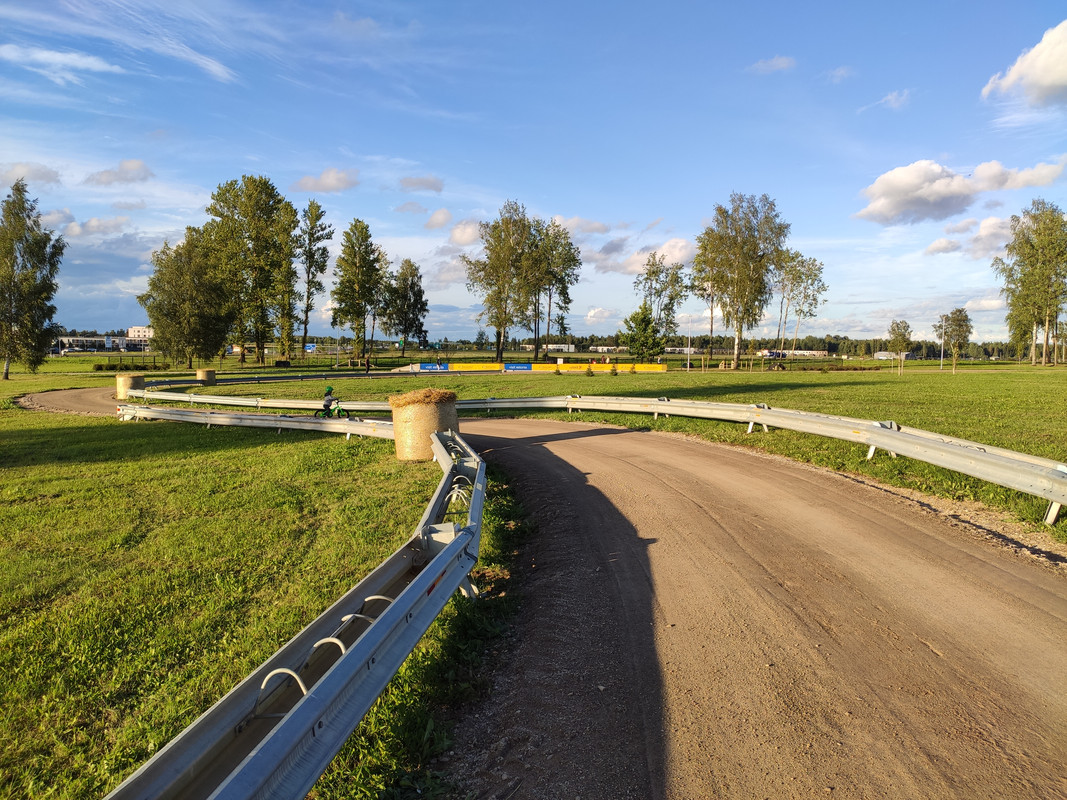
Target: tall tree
{"x": 314, "y": 258}
{"x": 186, "y": 301}
{"x": 740, "y": 250}
{"x": 642, "y": 337}
{"x": 556, "y": 267}
{"x": 900, "y": 341}
{"x": 252, "y": 236}
{"x": 360, "y": 274}
{"x": 1035, "y": 274}
{"x": 499, "y": 277}
{"x": 702, "y": 285}
{"x": 954, "y": 330}
{"x": 29, "y": 263}
{"x": 663, "y": 289}
{"x": 806, "y": 291}
{"x": 405, "y": 306}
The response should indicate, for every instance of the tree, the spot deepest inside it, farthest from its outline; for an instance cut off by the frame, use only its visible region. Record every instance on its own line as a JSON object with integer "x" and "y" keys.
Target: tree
{"x": 405, "y": 305}
{"x": 739, "y": 251}
{"x": 954, "y": 330}
{"x": 252, "y": 238}
{"x": 900, "y": 341}
{"x": 186, "y": 301}
{"x": 314, "y": 257}
{"x": 360, "y": 272}
{"x": 702, "y": 285}
{"x": 806, "y": 291}
{"x": 663, "y": 288}
{"x": 1035, "y": 274}
{"x": 499, "y": 277}
{"x": 556, "y": 266}
{"x": 29, "y": 263}
{"x": 642, "y": 336}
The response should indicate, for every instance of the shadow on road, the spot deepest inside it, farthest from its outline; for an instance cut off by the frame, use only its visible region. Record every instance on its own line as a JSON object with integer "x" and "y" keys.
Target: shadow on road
{"x": 586, "y": 677}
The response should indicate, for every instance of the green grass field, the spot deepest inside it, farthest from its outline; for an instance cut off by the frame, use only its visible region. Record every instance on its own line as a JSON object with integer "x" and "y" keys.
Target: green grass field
{"x": 148, "y": 567}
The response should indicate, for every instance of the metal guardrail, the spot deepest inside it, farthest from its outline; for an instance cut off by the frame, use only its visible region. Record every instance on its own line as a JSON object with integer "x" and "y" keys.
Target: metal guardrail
{"x": 275, "y": 733}
{"x": 1034, "y": 475}
{"x": 350, "y": 426}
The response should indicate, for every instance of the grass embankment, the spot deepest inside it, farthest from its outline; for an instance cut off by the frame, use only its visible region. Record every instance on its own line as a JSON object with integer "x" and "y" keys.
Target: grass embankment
{"x": 149, "y": 567}
{"x": 1013, "y": 407}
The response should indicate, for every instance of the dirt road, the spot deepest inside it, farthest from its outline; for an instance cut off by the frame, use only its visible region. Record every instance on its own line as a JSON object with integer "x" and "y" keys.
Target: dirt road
{"x": 706, "y": 622}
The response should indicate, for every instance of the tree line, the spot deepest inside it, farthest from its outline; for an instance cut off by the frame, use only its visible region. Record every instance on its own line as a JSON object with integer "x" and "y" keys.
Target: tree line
{"x": 252, "y": 273}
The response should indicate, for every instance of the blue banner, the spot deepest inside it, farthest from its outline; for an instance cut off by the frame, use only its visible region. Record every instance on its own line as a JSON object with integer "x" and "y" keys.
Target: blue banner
{"x": 518, "y": 367}
{"x": 425, "y": 367}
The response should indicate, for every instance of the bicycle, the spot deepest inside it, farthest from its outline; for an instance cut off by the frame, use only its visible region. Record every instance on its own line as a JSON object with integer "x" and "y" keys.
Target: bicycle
{"x": 332, "y": 411}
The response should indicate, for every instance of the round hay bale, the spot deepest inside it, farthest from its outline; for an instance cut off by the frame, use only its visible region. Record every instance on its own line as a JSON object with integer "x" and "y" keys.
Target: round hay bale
{"x": 123, "y": 384}
{"x": 416, "y": 415}
{"x": 206, "y": 377}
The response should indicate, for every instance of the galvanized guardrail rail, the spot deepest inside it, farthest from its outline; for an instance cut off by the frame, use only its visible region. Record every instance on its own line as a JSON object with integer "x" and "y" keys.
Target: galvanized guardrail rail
{"x": 1034, "y": 475}
{"x": 275, "y": 733}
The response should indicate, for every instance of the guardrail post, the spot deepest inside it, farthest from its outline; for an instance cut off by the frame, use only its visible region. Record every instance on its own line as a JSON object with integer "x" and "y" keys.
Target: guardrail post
{"x": 753, "y": 423}
{"x": 1053, "y": 512}
{"x": 888, "y": 425}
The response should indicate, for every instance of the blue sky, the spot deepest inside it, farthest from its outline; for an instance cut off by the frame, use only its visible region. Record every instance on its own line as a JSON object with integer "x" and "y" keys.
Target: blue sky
{"x": 896, "y": 138}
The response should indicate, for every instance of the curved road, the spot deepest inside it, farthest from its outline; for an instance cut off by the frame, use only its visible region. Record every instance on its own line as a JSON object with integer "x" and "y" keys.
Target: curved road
{"x": 703, "y": 621}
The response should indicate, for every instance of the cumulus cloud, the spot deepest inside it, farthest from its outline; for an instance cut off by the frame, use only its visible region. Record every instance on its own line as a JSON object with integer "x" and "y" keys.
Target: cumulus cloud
{"x": 926, "y": 190}
{"x": 991, "y": 302}
{"x": 464, "y": 233}
{"x": 31, "y": 172}
{"x": 993, "y": 234}
{"x": 60, "y": 68}
{"x": 95, "y": 226}
{"x": 1040, "y": 73}
{"x": 673, "y": 251}
{"x": 53, "y": 219}
{"x": 422, "y": 183}
{"x": 598, "y": 316}
{"x": 130, "y": 170}
{"x": 776, "y": 64}
{"x": 447, "y": 273}
{"x": 331, "y": 180}
{"x": 580, "y": 225}
{"x": 439, "y": 219}
{"x": 963, "y": 226}
{"x": 942, "y": 246}
{"x": 411, "y": 207}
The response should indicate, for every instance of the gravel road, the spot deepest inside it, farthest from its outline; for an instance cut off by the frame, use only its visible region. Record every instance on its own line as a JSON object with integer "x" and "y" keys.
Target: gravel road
{"x": 702, "y": 621}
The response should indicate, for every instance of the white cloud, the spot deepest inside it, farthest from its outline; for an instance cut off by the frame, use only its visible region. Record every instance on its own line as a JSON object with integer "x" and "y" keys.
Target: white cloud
{"x": 963, "y": 226}
{"x": 942, "y": 246}
{"x": 580, "y": 225}
{"x": 439, "y": 219}
{"x": 1040, "y": 73}
{"x": 895, "y": 100}
{"x": 331, "y": 180}
{"x": 30, "y": 172}
{"x": 993, "y": 233}
{"x": 422, "y": 183}
{"x": 464, "y": 233}
{"x": 448, "y": 273}
{"x": 991, "y": 302}
{"x": 599, "y": 316}
{"x": 95, "y": 226}
{"x": 840, "y": 74}
{"x": 60, "y": 68}
{"x": 53, "y": 219}
{"x": 130, "y": 170}
{"x": 926, "y": 190}
{"x": 410, "y": 207}
{"x": 673, "y": 251}
{"x": 776, "y": 64}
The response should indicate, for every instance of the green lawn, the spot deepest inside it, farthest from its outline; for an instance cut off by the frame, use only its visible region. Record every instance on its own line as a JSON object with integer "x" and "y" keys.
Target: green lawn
{"x": 147, "y": 567}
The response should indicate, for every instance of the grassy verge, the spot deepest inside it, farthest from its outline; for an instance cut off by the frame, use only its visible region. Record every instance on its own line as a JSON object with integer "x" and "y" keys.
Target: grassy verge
{"x": 149, "y": 567}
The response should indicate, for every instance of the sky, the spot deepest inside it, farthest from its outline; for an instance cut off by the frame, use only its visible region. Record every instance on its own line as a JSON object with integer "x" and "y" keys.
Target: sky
{"x": 897, "y": 139}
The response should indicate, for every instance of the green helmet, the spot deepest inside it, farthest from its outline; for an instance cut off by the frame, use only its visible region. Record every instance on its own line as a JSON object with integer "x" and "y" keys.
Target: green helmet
{"x": 329, "y": 390}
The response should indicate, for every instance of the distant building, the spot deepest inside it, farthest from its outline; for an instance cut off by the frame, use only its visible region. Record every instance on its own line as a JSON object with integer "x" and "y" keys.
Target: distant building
{"x": 139, "y": 337}
{"x": 885, "y": 355}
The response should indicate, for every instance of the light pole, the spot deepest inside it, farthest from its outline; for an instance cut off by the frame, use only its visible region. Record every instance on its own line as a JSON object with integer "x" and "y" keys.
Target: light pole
{"x": 689, "y": 345}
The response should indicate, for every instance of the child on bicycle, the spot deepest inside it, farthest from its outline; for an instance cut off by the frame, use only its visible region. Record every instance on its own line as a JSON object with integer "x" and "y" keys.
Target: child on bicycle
{"x": 328, "y": 401}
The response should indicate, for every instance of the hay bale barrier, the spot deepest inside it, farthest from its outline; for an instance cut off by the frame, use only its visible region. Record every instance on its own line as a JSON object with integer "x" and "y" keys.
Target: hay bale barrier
{"x": 206, "y": 377}
{"x": 416, "y": 415}
{"x": 124, "y": 383}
